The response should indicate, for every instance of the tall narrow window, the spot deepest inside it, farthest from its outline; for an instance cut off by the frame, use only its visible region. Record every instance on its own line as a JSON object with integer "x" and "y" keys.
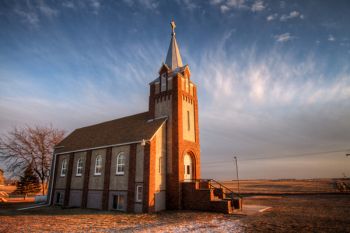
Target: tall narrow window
{"x": 163, "y": 82}
{"x": 64, "y": 167}
{"x": 98, "y": 165}
{"x": 160, "y": 164}
{"x": 188, "y": 121}
{"x": 79, "y": 167}
{"x": 120, "y": 164}
{"x": 139, "y": 193}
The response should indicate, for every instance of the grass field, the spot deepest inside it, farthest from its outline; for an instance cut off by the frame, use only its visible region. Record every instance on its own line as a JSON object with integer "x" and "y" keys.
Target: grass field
{"x": 287, "y": 186}
{"x": 289, "y": 213}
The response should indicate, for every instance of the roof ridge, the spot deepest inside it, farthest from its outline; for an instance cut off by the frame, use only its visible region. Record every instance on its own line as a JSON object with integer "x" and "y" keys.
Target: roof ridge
{"x": 111, "y": 120}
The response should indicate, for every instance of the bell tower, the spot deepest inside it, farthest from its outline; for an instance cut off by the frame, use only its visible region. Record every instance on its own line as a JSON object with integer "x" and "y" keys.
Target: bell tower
{"x": 174, "y": 95}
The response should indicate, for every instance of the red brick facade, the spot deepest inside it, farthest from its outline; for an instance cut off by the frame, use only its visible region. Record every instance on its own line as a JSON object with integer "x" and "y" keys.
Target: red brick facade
{"x": 149, "y": 176}
{"x": 86, "y": 179}
{"x": 106, "y": 180}
{"x": 179, "y": 146}
{"x": 131, "y": 178}
{"x": 68, "y": 179}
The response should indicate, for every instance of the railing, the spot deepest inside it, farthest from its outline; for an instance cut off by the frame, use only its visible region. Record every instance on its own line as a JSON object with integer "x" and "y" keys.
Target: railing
{"x": 213, "y": 184}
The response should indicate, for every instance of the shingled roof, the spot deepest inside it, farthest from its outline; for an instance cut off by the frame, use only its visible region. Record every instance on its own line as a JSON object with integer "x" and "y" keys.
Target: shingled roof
{"x": 123, "y": 130}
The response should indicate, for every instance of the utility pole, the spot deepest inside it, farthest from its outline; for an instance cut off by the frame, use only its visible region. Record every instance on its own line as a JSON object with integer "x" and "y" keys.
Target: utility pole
{"x": 235, "y": 158}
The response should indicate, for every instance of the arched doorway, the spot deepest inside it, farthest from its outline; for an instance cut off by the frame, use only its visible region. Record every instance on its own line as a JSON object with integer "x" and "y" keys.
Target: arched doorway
{"x": 188, "y": 167}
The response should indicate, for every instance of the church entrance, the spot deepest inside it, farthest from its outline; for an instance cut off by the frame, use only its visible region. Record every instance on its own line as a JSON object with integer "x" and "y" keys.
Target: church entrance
{"x": 188, "y": 169}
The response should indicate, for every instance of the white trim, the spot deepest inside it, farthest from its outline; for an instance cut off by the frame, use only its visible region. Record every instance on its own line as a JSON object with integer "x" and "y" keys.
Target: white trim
{"x": 100, "y": 165}
{"x": 79, "y": 160}
{"x": 118, "y": 155}
{"x": 157, "y": 118}
{"x": 99, "y": 147}
{"x": 64, "y": 162}
{"x": 113, "y": 145}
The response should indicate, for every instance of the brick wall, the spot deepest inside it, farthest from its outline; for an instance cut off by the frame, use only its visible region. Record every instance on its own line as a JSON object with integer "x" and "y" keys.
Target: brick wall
{"x": 194, "y": 198}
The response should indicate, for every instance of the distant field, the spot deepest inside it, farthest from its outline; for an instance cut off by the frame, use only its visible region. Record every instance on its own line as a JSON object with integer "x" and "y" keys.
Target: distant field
{"x": 288, "y": 186}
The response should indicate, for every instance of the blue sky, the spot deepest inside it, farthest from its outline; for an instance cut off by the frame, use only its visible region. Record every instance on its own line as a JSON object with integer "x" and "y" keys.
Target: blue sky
{"x": 273, "y": 76}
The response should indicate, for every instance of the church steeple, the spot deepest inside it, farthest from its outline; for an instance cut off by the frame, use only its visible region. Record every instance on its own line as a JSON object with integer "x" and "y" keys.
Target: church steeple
{"x": 173, "y": 58}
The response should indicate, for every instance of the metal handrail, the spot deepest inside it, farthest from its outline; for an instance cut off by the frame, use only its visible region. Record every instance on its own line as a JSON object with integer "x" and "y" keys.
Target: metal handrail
{"x": 220, "y": 186}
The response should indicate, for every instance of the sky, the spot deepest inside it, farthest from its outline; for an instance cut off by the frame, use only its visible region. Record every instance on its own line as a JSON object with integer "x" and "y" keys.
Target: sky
{"x": 273, "y": 77}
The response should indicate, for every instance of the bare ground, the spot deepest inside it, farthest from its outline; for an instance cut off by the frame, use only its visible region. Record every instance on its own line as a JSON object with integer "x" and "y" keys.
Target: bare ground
{"x": 316, "y": 213}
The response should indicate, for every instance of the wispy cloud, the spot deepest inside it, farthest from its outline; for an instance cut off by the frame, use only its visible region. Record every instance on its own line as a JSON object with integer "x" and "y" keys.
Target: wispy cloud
{"x": 224, "y": 8}
{"x": 95, "y": 5}
{"x": 236, "y": 3}
{"x": 283, "y": 37}
{"x": 258, "y": 6}
{"x": 149, "y": 4}
{"x": 269, "y": 105}
{"x": 47, "y": 11}
{"x": 189, "y": 4}
{"x": 291, "y": 15}
{"x": 215, "y": 2}
{"x": 28, "y": 17}
{"x": 32, "y": 13}
{"x": 230, "y": 4}
{"x": 331, "y": 38}
{"x": 271, "y": 17}
{"x": 68, "y": 4}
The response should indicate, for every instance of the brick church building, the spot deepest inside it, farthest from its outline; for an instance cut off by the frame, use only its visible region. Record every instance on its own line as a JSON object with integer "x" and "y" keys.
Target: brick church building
{"x": 146, "y": 162}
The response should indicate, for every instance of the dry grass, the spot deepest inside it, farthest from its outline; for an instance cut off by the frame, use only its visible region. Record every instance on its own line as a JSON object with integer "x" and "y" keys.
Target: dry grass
{"x": 285, "y": 186}
{"x": 309, "y": 213}
{"x": 312, "y": 213}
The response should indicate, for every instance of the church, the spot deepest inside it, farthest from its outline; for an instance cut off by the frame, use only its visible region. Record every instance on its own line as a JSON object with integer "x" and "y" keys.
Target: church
{"x": 142, "y": 163}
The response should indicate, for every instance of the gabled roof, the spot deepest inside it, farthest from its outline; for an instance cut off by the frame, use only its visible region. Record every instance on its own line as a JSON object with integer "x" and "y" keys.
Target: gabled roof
{"x": 173, "y": 58}
{"x": 120, "y": 131}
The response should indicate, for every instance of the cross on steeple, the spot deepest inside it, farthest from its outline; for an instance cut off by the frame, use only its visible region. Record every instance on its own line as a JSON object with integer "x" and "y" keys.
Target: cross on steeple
{"x": 173, "y": 26}
{"x": 173, "y": 58}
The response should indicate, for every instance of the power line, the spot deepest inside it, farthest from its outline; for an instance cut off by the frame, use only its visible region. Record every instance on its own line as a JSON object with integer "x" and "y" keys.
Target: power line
{"x": 281, "y": 157}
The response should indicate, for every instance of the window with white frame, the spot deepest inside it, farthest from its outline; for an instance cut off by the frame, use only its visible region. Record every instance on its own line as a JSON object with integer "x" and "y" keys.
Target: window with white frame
{"x": 64, "y": 167}
{"x": 120, "y": 164}
{"x": 119, "y": 202}
{"x": 79, "y": 167}
{"x": 139, "y": 193}
{"x": 98, "y": 165}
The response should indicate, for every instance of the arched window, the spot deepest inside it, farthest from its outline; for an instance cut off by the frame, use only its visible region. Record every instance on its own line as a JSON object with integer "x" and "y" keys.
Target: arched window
{"x": 79, "y": 167}
{"x": 64, "y": 167}
{"x": 120, "y": 163}
{"x": 98, "y": 165}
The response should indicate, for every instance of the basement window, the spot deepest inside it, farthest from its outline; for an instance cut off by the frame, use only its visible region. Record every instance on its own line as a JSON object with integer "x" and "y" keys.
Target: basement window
{"x": 119, "y": 202}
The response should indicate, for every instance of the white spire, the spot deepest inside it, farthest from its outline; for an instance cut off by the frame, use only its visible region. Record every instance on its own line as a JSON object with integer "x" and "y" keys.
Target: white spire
{"x": 173, "y": 58}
